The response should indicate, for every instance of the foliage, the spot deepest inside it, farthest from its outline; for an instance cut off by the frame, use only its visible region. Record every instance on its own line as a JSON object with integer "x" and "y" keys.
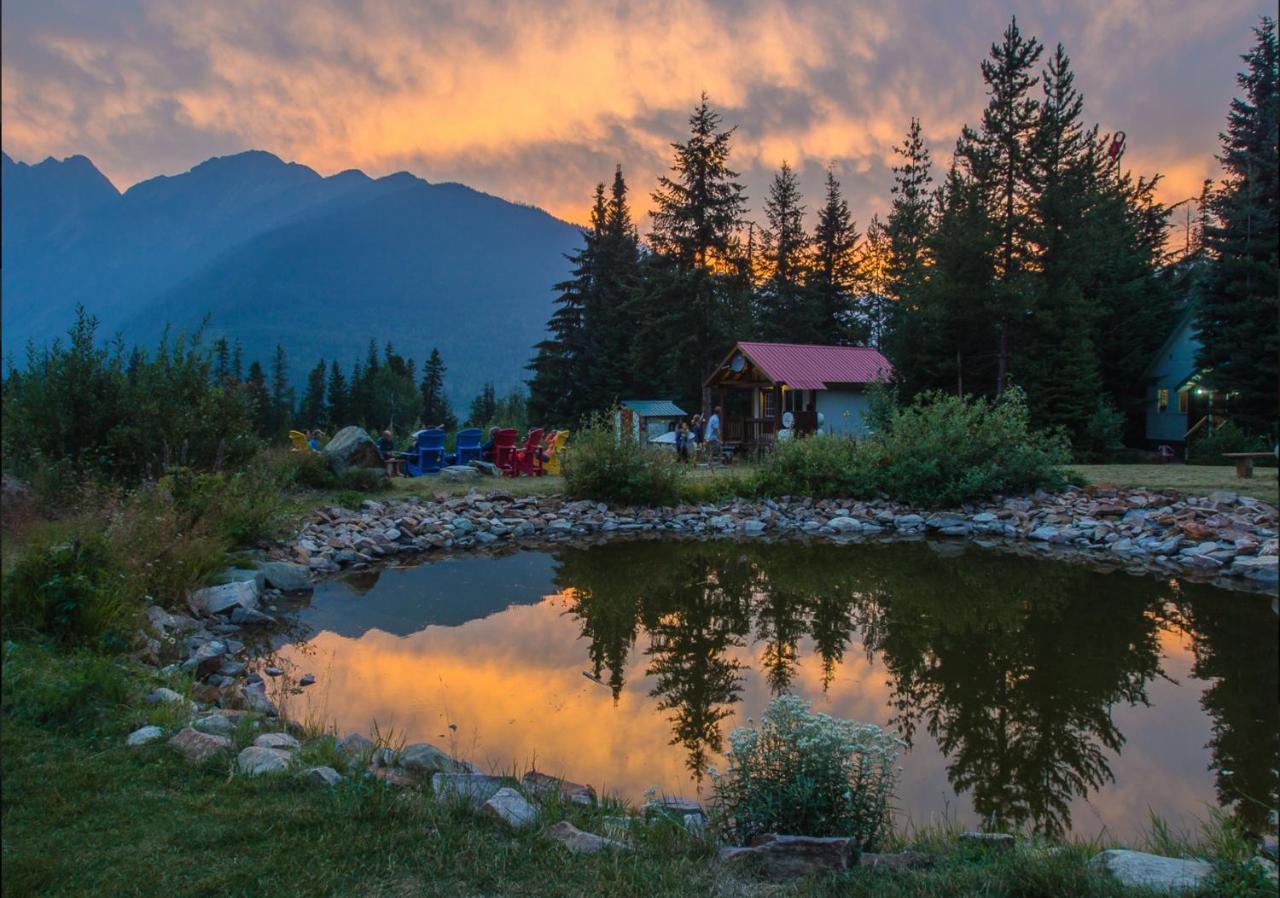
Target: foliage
{"x": 938, "y": 451}
{"x": 74, "y": 690}
{"x": 1208, "y": 449}
{"x": 71, "y": 591}
{"x": 807, "y": 774}
{"x": 1103, "y": 435}
{"x": 617, "y": 468}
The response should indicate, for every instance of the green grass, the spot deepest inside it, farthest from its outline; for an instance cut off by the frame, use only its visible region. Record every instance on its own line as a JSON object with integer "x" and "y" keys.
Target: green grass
{"x": 1192, "y": 480}
{"x": 82, "y": 814}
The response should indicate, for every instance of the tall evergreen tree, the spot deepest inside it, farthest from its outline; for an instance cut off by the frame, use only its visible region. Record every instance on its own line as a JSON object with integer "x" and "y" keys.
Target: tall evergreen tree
{"x": 311, "y": 411}
{"x": 783, "y": 312}
{"x": 1237, "y": 317}
{"x": 435, "y": 405}
{"x": 237, "y": 362}
{"x": 484, "y": 407}
{"x": 876, "y": 303}
{"x": 906, "y": 232}
{"x": 338, "y": 399}
{"x": 997, "y": 158}
{"x": 834, "y": 274}
{"x": 281, "y": 393}
{"x": 221, "y": 361}
{"x": 610, "y": 323}
{"x": 255, "y": 385}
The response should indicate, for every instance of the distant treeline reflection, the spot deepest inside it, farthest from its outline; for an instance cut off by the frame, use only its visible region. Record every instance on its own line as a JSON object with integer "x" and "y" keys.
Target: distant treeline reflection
{"x": 1014, "y": 677}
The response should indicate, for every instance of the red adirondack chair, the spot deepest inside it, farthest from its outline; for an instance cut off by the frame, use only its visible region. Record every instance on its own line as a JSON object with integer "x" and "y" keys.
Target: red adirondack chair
{"x": 504, "y": 450}
{"x": 529, "y": 456}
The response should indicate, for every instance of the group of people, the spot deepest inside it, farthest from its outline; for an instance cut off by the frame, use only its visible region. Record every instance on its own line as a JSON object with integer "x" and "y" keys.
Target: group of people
{"x": 694, "y": 434}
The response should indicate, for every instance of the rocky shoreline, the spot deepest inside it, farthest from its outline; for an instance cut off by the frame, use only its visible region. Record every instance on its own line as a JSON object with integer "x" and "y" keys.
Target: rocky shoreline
{"x": 1223, "y": 537}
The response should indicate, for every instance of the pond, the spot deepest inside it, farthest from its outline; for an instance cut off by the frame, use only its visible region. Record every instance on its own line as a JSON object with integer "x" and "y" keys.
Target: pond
{"x": 1031, "y": 693}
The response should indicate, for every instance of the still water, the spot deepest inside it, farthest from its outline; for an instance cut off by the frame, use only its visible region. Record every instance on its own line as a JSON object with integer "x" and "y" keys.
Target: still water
{"x": 1032, "y": 693}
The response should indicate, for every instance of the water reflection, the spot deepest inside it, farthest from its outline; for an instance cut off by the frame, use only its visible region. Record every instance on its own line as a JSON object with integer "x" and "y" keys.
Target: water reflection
{"x": 1019, "y": 682}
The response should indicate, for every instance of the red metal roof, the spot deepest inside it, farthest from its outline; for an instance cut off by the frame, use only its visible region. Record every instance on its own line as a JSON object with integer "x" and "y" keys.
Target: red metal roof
{"x": 805, "y": 366}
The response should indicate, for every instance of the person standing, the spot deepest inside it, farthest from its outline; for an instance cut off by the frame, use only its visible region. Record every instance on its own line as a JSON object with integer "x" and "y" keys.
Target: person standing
{"x": 713, "y": 437}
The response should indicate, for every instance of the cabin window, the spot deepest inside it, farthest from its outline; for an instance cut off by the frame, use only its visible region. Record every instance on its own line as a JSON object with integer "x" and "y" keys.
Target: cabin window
{"x": 1184, "y": 400}
{"x": 767, "y": 404}
{"x": 1162, "y": 401}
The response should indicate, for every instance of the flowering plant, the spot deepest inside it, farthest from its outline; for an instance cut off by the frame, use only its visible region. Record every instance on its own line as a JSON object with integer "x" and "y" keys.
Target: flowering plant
{"x": 808, "y": 774}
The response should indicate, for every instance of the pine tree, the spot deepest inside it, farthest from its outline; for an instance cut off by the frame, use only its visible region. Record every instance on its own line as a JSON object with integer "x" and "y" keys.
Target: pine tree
{"x": 259, "y": 401}
{"x": 237, "y": 361}
{"x": 997, "y": 158}
{"x": 338, "y": 400}
{"x": 221, "y": 361}
{"x": 877, "y": 306}
{"x": 783, "y": 312}
{"x": 834, "y": 275}
{"x": 435, "y": 405}
{"x": 609, "y": 324}
{"x": 312, "y": 409}
{"x": 282, "y": 394}
{"x": 484, "y": 407}
{"x": 1237, "y": 317}
{"x": 905, "y": 256}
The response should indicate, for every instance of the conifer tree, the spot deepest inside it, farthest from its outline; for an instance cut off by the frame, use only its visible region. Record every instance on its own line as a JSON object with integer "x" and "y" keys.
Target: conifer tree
{"x": 255, "y": 385}
{"x": 834, "y": 275}
{"x": 435, "y": 405}
{"x": 609, "y": 324}
{"x": 783, "y": 313}
{"x": 877, "y": 306}
{"x": 281, "y": 393}
{"x": 311, "y": 411}
{"x": 1237, "y": 317}
{"x": 338, "y": 399}
{"x": 484, "y": 407}
{"x": 906, "y": 234}
{"x": 221, "y": 361}
{"x": 237, "y": 361}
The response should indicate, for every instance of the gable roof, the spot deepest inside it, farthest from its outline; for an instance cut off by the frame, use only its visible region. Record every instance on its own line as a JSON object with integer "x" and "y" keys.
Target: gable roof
{"x": 808, "y": 366}
{"x": 654, "y": 408}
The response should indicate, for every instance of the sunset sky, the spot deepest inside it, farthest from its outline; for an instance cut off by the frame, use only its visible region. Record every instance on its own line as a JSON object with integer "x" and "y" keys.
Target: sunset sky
{"x": 535, "y": 102}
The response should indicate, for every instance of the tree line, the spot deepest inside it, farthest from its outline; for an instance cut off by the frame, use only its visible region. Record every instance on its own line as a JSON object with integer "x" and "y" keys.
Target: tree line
{"x": 1036, "y": 258}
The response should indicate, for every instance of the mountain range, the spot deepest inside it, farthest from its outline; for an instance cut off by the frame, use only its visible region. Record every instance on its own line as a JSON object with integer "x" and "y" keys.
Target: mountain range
{"x": 268, "y": 251}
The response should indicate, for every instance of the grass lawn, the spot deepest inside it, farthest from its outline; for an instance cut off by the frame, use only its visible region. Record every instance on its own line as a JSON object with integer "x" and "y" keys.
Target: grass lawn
{"x": 1194, "y": 480}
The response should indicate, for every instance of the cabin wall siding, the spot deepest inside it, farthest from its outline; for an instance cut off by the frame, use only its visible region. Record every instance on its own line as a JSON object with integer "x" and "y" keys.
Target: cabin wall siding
{"x": 1176, "y": 363}
{"x": 844, "y": 411}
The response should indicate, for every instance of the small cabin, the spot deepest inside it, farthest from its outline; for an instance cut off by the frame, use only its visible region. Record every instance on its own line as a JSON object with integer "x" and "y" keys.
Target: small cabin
{"x": 645, "y": 419}
{"x": 1178, "y": 405}
{"x": 824, "y": 388}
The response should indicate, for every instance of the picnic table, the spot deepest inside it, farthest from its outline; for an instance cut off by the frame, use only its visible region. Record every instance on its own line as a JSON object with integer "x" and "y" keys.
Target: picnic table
{"x": 1244, "y": 461}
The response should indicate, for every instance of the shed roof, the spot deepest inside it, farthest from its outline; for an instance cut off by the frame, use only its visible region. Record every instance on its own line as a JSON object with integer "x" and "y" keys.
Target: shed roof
{"x": 654, "y": 408}
{"x": 807, "y": 366}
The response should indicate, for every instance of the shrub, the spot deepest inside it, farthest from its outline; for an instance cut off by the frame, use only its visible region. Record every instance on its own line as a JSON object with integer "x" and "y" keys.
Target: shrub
{"x": 808, "y": 774}
{"x": 817, "y": 466}
{"x": 1208, "y": 449}
{"x": 70, "y": 589}
{"x": 618, "y": 469}
{"x": 1103, "y": 435}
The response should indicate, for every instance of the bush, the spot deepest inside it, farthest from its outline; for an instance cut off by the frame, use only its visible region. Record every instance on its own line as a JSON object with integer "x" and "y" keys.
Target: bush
{"x": 1103, "y": 435}
{"x": 70, "y": 589}
{"x": 618, "y": 469}
{"x": 941, "y": 450}
{"x": 808, "y": 774}
{"x": 1208, "y": 449}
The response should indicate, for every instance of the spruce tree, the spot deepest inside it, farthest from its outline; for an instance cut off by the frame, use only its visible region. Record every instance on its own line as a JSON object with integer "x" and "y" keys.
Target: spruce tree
{"x": 610, "y": 324}
{"x": 312, "y": 409}
{"x": 221, "y": 361}
{"x": 338, "y": 399}
{"x": 435, "y": 405}
{"x": 255, "y": 385}
{"x": 876, "y": 303}
{"x": 1237, "y": 316}
{"x": 905, "y": 257}
{"x": 783, "y": 313}
{"x": 834, "y": 274}
{"x": 282, "y": 394}
{"x": 484, "y": 407}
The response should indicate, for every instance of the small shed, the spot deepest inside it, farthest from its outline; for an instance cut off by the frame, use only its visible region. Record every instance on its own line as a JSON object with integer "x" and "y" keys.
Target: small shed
{"x": 758, "y": 383}
{"x": 645, "y": 419}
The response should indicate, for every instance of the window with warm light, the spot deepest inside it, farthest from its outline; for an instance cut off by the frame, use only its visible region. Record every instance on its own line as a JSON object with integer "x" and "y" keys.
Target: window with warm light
{"x": 1184, "y": 400}
{"x": 1162, "y": 401}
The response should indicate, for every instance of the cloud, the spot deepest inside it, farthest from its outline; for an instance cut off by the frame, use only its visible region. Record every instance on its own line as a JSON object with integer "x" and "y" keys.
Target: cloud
{"x": 536, "y": 102}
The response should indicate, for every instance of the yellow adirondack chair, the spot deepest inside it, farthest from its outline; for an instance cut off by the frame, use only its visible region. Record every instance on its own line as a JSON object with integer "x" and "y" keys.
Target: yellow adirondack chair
{"x": 552, "y": 464}
{"x": 299, "y": 441}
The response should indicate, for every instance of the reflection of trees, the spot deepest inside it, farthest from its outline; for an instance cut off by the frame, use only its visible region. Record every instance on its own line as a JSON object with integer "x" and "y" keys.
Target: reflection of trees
{"x": 1234, "y": 639}
{"x": 1015, "y": 677}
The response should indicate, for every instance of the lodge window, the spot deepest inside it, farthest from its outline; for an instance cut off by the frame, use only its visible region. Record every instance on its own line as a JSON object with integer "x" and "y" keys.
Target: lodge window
{"x": 1184, "y": 400}
{"x": 766, "y": 404}
{"x": 1162, "y": 401}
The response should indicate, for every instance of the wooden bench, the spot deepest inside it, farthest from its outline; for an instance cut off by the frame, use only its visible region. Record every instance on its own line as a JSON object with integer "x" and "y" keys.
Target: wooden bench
{"x": 1244, "y": 461}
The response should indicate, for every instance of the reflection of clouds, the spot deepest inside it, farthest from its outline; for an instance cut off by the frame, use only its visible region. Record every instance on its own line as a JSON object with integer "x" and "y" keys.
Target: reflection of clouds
{"x": 536, "y": 104}
{"x": 513, "y": 684}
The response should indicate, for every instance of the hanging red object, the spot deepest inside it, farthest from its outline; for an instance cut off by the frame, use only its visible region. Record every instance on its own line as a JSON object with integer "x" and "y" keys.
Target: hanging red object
{"x": 1117, "y": 146}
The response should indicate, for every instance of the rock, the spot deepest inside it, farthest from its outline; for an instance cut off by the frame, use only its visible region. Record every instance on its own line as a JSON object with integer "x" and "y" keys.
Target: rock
{"x": 425, "y": 760}
{"x": 542, "y": 784}
{"x": 754, "y": 526}
{"x": 672, "y": 805}
{"x": 352, "y": 447}
{"x": 237, "y": 575}
{"x": 196, "y": 746}
{"x": 218, "y": 599}
{"x": 326, "y": 776}
{"x": 206, "y": 658}
{"x": 278, "y": 741}
{"x": 844, "y": 525}
{"x": 1139, "y": 870}
{"x": 1263, "y": 568}
{"x": 216, "y": 724}
{"x": 273, "y": 671}
{"x": 1003, "y": 841}
{"x": 511, "y": 808}
{"x": 307, "y": 679}
{"x": 160, "y": 620}
{"x": 581, "y": 842}
{"x": 286, "y": 577}
{"x": 355, "y": 744}
{"x": 395, "y": 776}
{"x": 144, "y": 735}
{"x": 904, "y": 859}
{"x": 790, "y": 857}
{"x": 475, "y": 788}
{"x": 255, "y": 698}
{"x": 1043, "y": 534}
{"x": 485, "y": 467}
{"x": 163, "y": 695}
{"x": 251, "y": 617}
{"x": 459, "y": 473}
{"x": 257, "y": 760}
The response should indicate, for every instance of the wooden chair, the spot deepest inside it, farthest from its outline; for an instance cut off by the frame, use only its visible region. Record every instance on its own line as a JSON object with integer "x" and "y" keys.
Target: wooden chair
{"x": 528, "y": 458}
{"x": 504, "y": 450}
{"x": 555, "y": 450}
{"x": 298, "y": 441}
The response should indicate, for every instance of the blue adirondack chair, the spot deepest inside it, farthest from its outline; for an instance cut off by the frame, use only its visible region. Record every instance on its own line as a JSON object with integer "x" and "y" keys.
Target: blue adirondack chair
{"x": 468, "y": 445}
{"x": 427, "y": 455}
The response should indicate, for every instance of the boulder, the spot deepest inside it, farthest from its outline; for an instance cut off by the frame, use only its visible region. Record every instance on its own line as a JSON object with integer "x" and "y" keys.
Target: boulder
{"x": 352, "y": 447}
{"x": 206, "y": 658}
{"x": 1139, "y": 870}
{"x": 238, "y": 575}
{"x": 459, "y": 473}
{"x": 257, "y": 760}
{"x": 354, "y": 744}
{"x": 196, "y": 746}
{"x": 278, "y": 741}
{"x": 220, "y": 599}
{"x": 255, "y": 699}
{"x": 844, "y": 524}
{"x": 674, "y": 806}
{"x": 511, "y": 808}
{"x": 325, "y": 776}
{"x": 485, "y": 467}
{"x": 395, "y": 776}
{"x": 542, "y": 785}
{"x": 250, "y": 617}
{"x": 286, "y": 577}
{"x": 163, "y": 695}
{"x": 144, "y": 735}
{"x": 425, "y": 760}
{"x": 581, "y": 842}
{"x": 790, "y": 857}
{"x": 475, "y": 788}
{"x": 1263, "y": 568}
{"x": 216, "y": 725}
